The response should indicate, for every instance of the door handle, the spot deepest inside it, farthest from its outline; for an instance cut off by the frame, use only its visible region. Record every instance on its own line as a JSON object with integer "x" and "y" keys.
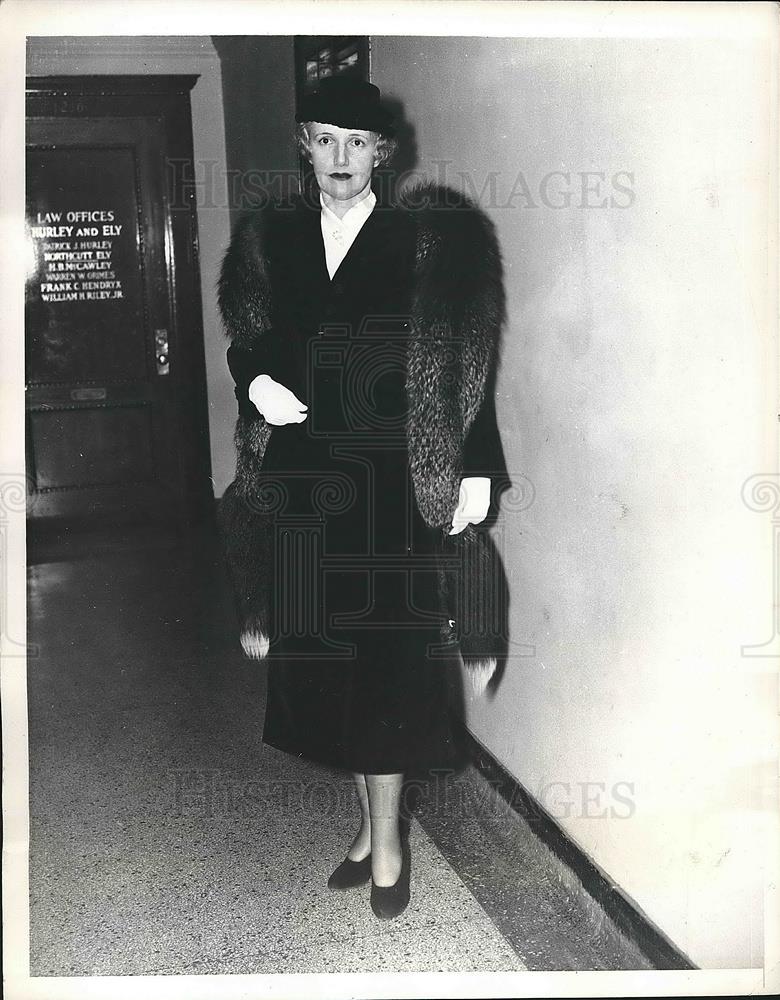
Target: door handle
{"x": 161, "y": 352}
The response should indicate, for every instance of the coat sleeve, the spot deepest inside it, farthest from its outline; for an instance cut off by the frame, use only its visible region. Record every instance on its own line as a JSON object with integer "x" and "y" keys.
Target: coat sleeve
{"x": 269, "y": 357}
{"x": 482, "y": 451}
{"x": 258, "y": 344}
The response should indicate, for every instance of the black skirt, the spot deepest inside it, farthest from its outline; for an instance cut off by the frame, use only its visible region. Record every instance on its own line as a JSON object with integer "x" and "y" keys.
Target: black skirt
{"x": 358, "y": 677}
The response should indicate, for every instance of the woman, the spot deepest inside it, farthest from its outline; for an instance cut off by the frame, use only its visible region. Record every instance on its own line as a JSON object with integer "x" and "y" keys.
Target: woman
{"x": 363, "y": 339}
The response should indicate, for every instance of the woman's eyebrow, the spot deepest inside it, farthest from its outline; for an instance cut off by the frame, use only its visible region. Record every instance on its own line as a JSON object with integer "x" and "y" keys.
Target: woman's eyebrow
{"x": 350, "y": 135}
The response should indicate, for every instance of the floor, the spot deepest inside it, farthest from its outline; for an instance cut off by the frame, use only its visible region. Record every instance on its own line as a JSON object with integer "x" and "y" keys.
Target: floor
{"x": 166, "y": 838}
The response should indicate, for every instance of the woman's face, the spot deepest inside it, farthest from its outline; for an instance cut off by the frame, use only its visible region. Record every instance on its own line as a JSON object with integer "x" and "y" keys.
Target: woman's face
{"x": 343, "y": 159}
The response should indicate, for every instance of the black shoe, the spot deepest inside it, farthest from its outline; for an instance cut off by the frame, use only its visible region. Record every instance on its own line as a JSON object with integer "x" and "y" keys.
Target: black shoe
{"x": 390, "y": 900}
{"x": 351, "y": 873}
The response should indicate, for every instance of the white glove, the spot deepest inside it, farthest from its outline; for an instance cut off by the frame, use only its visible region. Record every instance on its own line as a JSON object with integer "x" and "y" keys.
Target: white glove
{"x": 275, "y": 402}
{"x": 473, "y": 502}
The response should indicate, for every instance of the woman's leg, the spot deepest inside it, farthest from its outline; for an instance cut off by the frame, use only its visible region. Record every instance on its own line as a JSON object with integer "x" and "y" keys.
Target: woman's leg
{"x": 361, "y": 845}
{"x": 384, "y": 800}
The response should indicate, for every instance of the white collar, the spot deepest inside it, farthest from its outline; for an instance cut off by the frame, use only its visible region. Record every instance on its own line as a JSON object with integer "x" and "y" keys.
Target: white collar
{"x": 353, "y": 219}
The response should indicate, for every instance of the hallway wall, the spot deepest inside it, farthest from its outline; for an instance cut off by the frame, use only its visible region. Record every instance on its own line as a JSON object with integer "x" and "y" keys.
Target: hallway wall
{"x": 632, "y": 397}
{"x": 258, "y": 94}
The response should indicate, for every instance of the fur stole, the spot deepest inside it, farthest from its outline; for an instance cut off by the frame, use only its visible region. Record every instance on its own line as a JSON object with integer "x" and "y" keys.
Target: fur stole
{"x": 457, "y": 312}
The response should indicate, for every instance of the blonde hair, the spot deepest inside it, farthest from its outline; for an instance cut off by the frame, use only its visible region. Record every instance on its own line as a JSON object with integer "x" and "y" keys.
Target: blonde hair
{"x": 386, "y": 146}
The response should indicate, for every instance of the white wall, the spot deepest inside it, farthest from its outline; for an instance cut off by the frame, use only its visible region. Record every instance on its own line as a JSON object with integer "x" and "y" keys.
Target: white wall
{"x": 258, "y": 93}
{"x": 172, "y": 54}
{"x": 635, "y": 395}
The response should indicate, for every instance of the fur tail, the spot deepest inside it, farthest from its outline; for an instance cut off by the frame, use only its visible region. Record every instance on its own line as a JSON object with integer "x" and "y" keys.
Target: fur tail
{"x": 255, "y": 644}
{"x": 246, "y": 537}
{"x": 479, "y": 672}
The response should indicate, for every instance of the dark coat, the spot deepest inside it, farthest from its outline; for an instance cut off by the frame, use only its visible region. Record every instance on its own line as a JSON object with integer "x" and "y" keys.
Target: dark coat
{"x": 433, "y": 259}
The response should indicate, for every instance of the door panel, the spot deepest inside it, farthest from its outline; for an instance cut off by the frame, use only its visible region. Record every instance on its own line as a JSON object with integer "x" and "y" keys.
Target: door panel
{"x": 84, "y": 447}
{"x": 86, "y": 298}
{"x": 116, "y": 419}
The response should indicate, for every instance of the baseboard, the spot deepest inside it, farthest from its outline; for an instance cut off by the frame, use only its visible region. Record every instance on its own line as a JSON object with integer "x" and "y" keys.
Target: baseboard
{"x": 627, "y": 916}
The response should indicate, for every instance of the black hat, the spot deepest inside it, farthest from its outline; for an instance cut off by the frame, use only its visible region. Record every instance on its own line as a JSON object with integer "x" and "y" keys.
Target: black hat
{"x": 348, "y": 102}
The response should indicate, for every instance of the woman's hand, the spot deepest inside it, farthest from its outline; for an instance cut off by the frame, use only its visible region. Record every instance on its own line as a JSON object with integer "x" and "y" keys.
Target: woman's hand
{"x": 275, "y": 402}
{"x": 473, "y": 502}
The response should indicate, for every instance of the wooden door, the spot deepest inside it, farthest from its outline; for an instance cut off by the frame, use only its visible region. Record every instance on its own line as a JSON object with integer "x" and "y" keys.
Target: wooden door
{"x": 116, "y": 415}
